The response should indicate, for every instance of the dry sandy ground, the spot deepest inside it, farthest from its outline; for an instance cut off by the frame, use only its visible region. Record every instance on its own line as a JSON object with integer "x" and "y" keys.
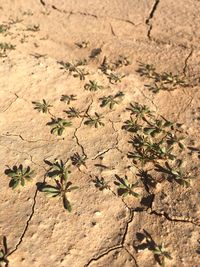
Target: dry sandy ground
{"x": 103, "y": 228}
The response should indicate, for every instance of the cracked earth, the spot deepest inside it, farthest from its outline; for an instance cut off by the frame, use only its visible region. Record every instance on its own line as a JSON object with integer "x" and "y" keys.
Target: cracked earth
{"x": 102, "y": 229}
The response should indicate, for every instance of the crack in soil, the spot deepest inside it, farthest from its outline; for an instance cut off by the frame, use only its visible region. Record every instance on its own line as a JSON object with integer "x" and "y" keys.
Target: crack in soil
{"x": 151, "y": 15}
{"x": 27, "y": 224}
{"x": 120, "y": 245}
{"x": 186, "y": 62}
{"x": 12, "y": 102}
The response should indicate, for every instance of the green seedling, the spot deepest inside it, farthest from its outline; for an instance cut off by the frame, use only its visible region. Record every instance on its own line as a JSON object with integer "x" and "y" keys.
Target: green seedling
{"x": 140, "y": 111}
{"x": 157, "y": 126}
{"x": 131, "y": 126}
{"x": 68, "y": 98}
{"x": 33, "y": 28}
{"x": 83, "y": 44}
{"x": 175, "y": 173}
{"x": 19, "y": 175}
{"x": 94, "y": 120}
{"x": 111, "y": 100}
{"x": 6, "y": 46}
{"x": 73, "y": 113}
{"x": 42, "y": 107}
{"x": 125, "y": 188}
{"x": 100, "y": 183}
{"x": 122, "y": 61}
{"x": 159, "y": 252}
{"x": 146, "y": 70}
{"x": 3, "y": 28}
{"x": 75, "y": 68}
{"x": 58, "y": 125}
{"x": 59, "y": 172}
{"x": 3, "y": 252}
{"x": 95, "y": 52}
{"x": 93, "y": 86}
{"x": 115, "y": 77}
{"x": 78, "y": 160}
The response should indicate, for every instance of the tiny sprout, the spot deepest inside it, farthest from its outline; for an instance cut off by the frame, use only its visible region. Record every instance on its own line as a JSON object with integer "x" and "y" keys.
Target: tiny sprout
{"x": 111, "y": 100}
{"x": 58, "y": 125}
{"x": 42, "y": 107}
{"x": 68, "y": 98}
{"x": 78, "y": 160}
{"x": 124, "y": 187}
{"x": 115, "y": 77}
{"x": 92, "y": 86}
{"x": 33, "y": 28}
{"x": 83, "y": 44}
{"x": 73, "y": 113}
{"x": 94, "y": 120}
{"x": 19, "y": 175}
{"x": 100, "y": 183}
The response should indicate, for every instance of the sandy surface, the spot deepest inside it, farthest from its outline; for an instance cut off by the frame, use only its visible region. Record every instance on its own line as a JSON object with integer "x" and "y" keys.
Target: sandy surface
{"x": 103, "y": 228}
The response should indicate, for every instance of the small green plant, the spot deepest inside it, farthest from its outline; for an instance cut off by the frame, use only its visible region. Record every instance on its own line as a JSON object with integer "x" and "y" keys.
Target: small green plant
{"x": 175, "y": 173}
{"x": 3, "y": 252}
{"x": 157, "y": 126}
{"x": 42, "y": 107}
{"x": 131, "y": 126}
{"x": 68, "y": 98}
{"x": 94, "y": 120}
{"x": 73, "y": 113}
{"x": 75, "y": 68}
{"x": 19, "y": 175}
{"x": 140, "y": 111}
{"x": 59, "y": 172}
{"x": 93, "y": 86}
{"x": 159, "y": 252}
{"x": 33, "y": 28}
{"x": 100, "y": 183}
{"x": 3, "y": 28}
{"x": 111, "y": 100}
{"x": 78, "y": 160}
{"x": 4, "y": 47}
{"x": 125, "y": 188}
{"x": 147, "y": 70}
{"x": 115, "y": 77}
{"x": 58, "y": 125}
{"x": 122, "y": 61}
{"x": 83, "y": 44}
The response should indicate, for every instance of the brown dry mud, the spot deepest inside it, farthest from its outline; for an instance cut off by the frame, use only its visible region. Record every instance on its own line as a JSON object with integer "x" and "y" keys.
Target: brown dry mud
{"x": 103, "y": 229}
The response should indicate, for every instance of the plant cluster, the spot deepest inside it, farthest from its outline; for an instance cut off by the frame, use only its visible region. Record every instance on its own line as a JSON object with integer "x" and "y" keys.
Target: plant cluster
{"x": 155, "y": 140}
{"x": 160, "y": 81}
{"x": 59, "y": 174}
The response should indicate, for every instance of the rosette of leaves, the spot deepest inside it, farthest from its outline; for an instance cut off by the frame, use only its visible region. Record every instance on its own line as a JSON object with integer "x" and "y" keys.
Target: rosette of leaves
{"x": 93, "y": 86}
{"x": 73, "y": 113}
{"x": 125, "y": 188}
{"x": 94, "y": 120}
{"x": 75, "y": 68}
{"x": 111, "y": 100}
{"x": 131, "y": 126}
{"x": 157, "y": 126}
{"x": 19, "y": 175}
{"x": 100, "y": 183}
{"x": 140, "y": 111}
{"x": 78, "y": 160}
{"x": 59, "y": 172}
{"x": 42, "y": 107}
{"x": 115, "y": 78}
{"x": 68, "y": 98}
{"x": 58, "y": 125}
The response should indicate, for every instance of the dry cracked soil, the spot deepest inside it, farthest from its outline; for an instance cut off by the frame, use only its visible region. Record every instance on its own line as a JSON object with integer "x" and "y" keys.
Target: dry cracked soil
{"x": 136, "y": 167}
